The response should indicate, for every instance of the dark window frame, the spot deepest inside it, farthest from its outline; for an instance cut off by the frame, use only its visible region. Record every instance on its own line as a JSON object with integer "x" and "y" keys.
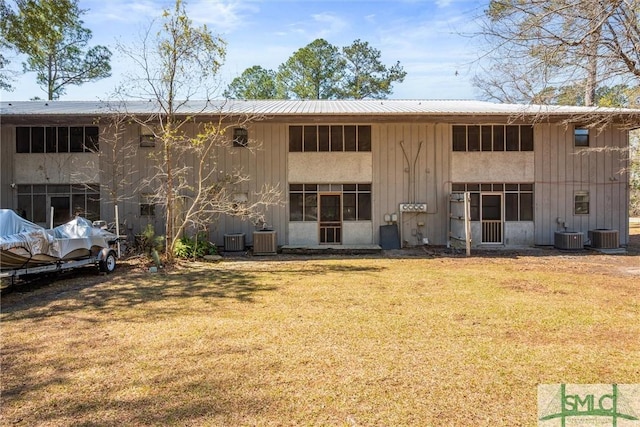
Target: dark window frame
{"x": 57, "y": 139}
{"x": 581, "y": 202}
{"x": 147, "y": 206}
{"x": 581, "y": 136}
{"x": 492, "y": 138}
{"x": 84, "y": 199}
{"x": 240, "y": 137}
{"x": 522, "y": 195}
{"x": 303, "y": 201}
{"x": 330, "y": 138}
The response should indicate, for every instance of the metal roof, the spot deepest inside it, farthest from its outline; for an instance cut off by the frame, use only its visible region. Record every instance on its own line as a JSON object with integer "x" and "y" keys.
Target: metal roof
{"x": 385, "y": 107}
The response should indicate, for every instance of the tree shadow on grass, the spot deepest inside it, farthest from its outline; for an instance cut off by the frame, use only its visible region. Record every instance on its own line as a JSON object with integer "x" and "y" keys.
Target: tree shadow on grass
{"x": 81, "y": 291}
{"x": 129, "y": 288}
{"x": 169, "y": 393}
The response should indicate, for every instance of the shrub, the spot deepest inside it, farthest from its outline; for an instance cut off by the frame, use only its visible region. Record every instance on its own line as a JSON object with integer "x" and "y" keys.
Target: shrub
{"x": 194, "y": 247}
{"x": 148, "y": 241}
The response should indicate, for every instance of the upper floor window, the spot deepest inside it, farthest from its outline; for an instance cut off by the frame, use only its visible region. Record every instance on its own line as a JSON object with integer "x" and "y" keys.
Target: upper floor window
{"x": 581, "y": 137}
{"x": 329, "y": 138}
{"x": 57, "y": 139}
{"x": 492, "y": 138}
{"x": 240, "y": 137}
{"x": 147, "y": 136}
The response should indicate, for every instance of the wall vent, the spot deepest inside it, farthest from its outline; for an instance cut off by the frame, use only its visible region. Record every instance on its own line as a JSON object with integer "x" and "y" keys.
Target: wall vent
{"x": 568, "y": 240}
{"x": 234, "y": 242}
{"x": 604, "y": 239}
{"x": 265, "y": 243}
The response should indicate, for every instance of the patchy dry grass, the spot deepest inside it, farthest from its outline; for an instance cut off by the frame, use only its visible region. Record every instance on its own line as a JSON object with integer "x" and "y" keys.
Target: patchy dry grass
{"x": 320, "y": 341}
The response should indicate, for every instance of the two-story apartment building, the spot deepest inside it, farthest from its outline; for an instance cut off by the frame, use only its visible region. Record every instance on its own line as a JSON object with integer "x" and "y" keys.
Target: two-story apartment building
{"x": 346, "y": 169}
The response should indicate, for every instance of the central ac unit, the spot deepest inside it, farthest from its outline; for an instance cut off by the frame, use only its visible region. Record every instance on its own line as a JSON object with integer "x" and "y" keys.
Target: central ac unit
{"x": 234, "y": 242}
{"x": 265, "y": 243}
{"x": 569, "y": 240}
{"x": 604, "y": 239}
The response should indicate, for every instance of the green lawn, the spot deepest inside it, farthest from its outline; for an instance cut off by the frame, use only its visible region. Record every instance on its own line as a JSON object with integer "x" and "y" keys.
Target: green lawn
{"x": 320, "y": 341}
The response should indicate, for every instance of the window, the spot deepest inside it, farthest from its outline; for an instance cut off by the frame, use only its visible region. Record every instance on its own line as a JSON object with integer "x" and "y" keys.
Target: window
{"x": 526, "y": 138}
{"x": 581, "y": 203}
{"x": 513, "y": 138}
{"x": 57, "y": 139}
{"x": 76, "y": 140}
{"x": 23, "y": 140}
{"x": 492, "y": 138}
{"x": 473, "y": 138}
{"x": 303, "y": 202}
{"x": 323, "y": 138}
{"x": 487, "y": 138}
{"x": 240, "y": 137}
{"x": 51, "y": 140}
{"x": 581, "y": 137}
{"x": 310, "y": 138}
{"x": 91, "y": 139}
{"x": 518, "y": 199}
{"x": 356, "y": 201}
{"x": 67, "y": 200}
{"x": 364, "y": 138}
{"x": 459, "y": 138}
{"x": 37, "y": 140}
{"x": 147, "y": 141}
{"x": 329, "y": 138}
{"x": 518, "y": 203}
{"x": 63, "y": 140}
{"x": 147, "y": 205}
{"x": 147, "y": 136}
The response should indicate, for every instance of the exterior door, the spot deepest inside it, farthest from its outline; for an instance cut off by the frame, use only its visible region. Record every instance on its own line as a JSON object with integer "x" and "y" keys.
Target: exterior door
{"x": 491, "y": 217}
{"x": 330, "y": 218}
{"x": 61, "y": 209}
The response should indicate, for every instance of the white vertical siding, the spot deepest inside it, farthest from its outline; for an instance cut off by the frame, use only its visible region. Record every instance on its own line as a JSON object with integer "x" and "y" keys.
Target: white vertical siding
{"x": 266, "y": 165}
{"x": 124, "y": 167}
{"x": 561, "y": 170}
{"x": 397, "y": 180}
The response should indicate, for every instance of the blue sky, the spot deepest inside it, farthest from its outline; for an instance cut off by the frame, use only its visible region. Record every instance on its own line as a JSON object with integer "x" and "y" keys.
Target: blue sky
{"x": 425, "y": 36}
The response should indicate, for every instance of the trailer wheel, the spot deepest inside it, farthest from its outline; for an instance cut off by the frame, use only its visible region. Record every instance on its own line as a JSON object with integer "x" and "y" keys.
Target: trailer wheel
{"x": 108, "y": 264}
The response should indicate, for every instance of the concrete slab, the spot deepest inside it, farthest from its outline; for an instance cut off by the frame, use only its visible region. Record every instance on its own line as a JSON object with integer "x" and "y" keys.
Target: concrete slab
{"x": 331, "y": 249}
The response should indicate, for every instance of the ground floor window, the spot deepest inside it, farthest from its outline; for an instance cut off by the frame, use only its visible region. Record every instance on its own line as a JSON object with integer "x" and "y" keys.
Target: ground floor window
{"x": 581, "y": 203}
{"x": 518, "y": 199}
{"x": 147, "y": 205}
{"x": 355, "y": 200}
{"x": 67, "y": 201}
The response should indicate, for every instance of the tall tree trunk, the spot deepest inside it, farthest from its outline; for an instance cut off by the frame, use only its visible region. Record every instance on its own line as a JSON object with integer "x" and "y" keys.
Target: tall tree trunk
{"x": 50, "y": 79}
{"x": 170, "y": 196}
{"x": 592, "y": 66}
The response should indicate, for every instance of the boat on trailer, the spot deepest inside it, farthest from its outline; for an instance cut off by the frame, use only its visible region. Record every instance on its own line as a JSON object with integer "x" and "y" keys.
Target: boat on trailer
{"x": 27, "y": 248}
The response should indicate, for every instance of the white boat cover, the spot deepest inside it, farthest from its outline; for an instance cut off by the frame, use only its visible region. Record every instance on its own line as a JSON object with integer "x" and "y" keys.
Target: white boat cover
{"x": 16, "y": 231}
{"x": 21, "y": 239}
